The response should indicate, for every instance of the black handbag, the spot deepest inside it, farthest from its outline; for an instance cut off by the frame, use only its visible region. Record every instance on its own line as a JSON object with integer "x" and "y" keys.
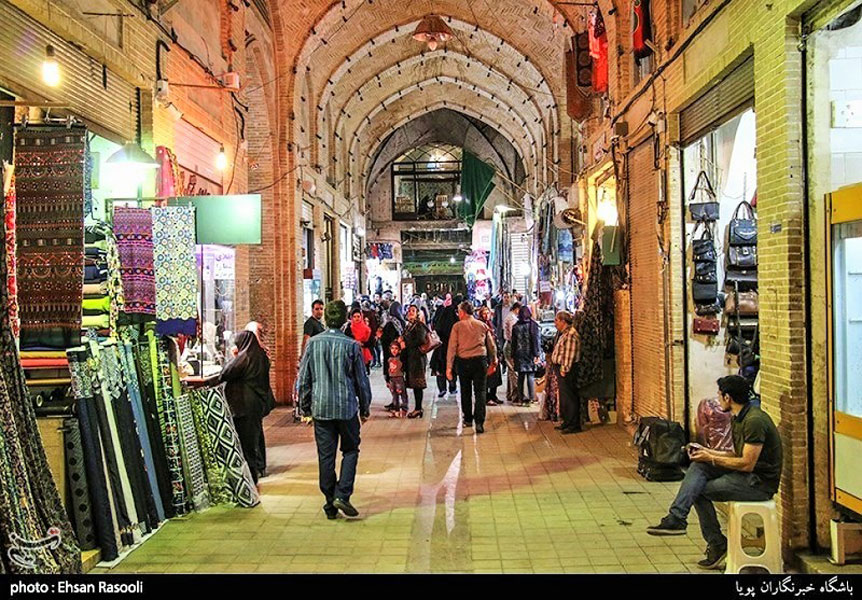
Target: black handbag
{"x": 742, "y": 256}
{"x": 744, "y": 279}
{"x": 703, "y": 211}
{"x": 705, "y": 272}
{"x": 703, "y": 249}
{"x": 704, "y": 293}
{"x": 703, "y": 310}
{"x": 737, "y": 342}
{"x": 742, "y": 231}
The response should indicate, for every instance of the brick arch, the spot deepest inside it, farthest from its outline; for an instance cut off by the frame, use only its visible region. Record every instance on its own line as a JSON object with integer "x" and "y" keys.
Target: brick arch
{"x": 455, "y": 93}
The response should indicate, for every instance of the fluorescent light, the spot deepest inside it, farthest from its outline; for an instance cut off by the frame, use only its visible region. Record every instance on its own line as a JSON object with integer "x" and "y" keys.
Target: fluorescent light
{"x": 503, "y": 208}
{"x": 457, "y": 198}
{"x": 50, "y": 68}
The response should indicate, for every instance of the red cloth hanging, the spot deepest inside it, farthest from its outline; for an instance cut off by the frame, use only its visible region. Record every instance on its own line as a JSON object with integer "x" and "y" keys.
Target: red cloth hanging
{"x": 641, "y": 28}
{"x": 599, "y": 52}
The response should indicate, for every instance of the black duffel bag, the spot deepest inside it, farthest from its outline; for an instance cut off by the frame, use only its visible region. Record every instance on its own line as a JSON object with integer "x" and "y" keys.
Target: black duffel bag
{"x": 661, "y": 451}
{"x": 742, "y": 256}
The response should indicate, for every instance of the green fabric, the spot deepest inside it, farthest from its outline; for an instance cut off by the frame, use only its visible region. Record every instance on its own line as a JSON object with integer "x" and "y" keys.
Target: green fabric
{"x": 476, "y": 185}
{"x": 95, "y": 322}
{"x": 154, "y": 361}
{"x": 216, "y": 480}
{"x": 97, "y": 306}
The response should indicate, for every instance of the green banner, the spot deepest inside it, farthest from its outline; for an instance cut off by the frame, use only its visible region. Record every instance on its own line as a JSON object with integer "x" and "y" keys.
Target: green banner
{"x": 476, "y": 185}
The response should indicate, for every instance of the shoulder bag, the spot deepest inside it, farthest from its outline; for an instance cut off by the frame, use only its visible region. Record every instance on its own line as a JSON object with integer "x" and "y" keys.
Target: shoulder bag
{"x": 746, "y": 303}
{"x": 742, "y": 230}
{"x": 707, "y": 309}
{"x": 742, "y": 256}
{"x": 704, "y": 293}
{"x": 703, "y": 211}
{"x": 745, "y": 279}
{"x": 703, "y": 248}
{"x": 432, "y": 342}
{"x": 705, "y": 272}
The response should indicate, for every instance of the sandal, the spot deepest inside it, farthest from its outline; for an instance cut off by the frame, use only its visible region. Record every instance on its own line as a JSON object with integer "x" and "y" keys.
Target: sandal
{"x": 415, "y": 414}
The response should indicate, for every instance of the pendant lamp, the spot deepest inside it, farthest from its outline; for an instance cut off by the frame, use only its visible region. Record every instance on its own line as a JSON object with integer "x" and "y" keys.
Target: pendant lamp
{"x": 432, "y": 31}
{"x": 132, "y": 154}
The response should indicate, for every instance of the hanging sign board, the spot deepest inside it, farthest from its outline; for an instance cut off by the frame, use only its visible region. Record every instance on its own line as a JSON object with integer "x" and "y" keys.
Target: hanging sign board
{"x": 227, "y": 220}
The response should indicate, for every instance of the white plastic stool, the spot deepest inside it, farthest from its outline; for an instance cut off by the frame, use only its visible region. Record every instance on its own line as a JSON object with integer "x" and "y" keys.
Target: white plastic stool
{"x": 737, "y": 558}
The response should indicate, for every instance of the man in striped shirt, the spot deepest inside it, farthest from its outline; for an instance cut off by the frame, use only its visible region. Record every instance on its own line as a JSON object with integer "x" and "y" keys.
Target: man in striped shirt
{"x": 334, "y": 390}
{"x": 565, "y": 357}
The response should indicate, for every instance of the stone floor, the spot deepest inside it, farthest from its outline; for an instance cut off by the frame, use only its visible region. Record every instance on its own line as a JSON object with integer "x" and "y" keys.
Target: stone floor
{"x": 434, "y": 497}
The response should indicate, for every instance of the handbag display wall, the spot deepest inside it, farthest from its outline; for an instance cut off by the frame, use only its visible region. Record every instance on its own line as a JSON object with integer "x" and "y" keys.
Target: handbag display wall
{"x": 704, "y": 286}
{"x": 708, "y": 208}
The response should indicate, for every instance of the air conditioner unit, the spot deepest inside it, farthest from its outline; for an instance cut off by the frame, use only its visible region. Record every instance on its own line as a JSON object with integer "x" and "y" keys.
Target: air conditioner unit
{"x": 230, "y": 80}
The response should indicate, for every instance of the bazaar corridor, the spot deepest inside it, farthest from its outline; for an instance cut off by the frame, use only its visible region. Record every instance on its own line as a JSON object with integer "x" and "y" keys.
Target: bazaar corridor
{"x": 434, "y": 497}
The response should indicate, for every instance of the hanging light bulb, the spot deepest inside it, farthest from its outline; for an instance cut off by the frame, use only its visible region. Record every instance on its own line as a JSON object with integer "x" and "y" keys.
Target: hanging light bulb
{"x": 432, "y": 30}
{"x": 50, "y": 68}
{"x": 458, "y": 197}
{"x": 221, "y": 160}
{"x": 452, "y": 259}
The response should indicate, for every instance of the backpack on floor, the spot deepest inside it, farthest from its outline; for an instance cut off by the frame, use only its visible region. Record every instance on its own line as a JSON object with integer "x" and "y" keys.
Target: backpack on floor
{"x": 661, "y": 452}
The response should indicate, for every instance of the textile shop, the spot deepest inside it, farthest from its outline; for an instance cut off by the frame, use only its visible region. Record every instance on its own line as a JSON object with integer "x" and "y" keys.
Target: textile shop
{"x": 103, "y": 299}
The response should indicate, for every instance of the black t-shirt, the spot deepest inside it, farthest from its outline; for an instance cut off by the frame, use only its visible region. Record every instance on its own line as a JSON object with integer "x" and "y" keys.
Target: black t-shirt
{"x": 312, "y": 327}
{"x": 753, "y": 426}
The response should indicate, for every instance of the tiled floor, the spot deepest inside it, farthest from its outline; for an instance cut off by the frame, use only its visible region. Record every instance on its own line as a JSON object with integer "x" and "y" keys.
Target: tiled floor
{"x": 435, "y": 498}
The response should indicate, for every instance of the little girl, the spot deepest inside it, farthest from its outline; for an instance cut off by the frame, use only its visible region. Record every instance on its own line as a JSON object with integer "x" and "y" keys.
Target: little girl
{"x": 396, "y": 381}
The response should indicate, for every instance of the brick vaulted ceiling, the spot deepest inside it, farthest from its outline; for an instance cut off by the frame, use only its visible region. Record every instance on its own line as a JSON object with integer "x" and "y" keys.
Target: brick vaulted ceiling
{"x": 359, "y": 75}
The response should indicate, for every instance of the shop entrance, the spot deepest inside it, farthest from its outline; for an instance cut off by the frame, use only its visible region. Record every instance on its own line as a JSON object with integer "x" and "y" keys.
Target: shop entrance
{"x": 719, "y": 179}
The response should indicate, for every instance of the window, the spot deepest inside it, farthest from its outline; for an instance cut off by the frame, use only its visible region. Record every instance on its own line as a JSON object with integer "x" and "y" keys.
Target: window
{"x": 424, "y": 181}
{"x": 643, "y": 68}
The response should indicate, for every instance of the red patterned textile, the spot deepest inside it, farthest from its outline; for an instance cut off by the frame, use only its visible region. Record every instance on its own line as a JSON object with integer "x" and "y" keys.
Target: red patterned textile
{"x": 11, "y": 261}
{"x": 49, "y": 171}
{"x": 133, "y": 228}
{"x": 599, "y": 52}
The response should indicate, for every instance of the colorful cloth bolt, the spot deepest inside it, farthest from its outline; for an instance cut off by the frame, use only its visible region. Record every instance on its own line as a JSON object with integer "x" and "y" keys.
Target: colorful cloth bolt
{"x": 11, "y": 260}
{"x": 170, "y": 433}
{"x": 175, "y": 270}
{"x": 49, "y": 170}
{"x": 133, "y": 228}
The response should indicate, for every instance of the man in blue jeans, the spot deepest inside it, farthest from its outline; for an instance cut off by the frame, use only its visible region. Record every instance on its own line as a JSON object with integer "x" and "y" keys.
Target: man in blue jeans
{"x": 750, "y": 473}
{"x": 334, "y": 390}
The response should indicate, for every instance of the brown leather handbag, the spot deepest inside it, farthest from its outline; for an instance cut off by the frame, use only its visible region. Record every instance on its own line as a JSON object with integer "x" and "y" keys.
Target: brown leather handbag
{"x": 706, "y": 325}
{"x": 748, "y": 304}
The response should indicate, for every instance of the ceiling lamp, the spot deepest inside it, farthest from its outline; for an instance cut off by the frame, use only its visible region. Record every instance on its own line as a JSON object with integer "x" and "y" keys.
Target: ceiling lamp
{"x": 432, "y": 31}
{"x": 50, "y": 67}
{"x": 133, "y": 155}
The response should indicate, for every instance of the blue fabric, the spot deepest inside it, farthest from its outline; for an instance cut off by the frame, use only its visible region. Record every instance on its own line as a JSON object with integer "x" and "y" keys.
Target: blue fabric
{"x": 332, "y": 377}
{"x": 705, "y": 484}
{"x": 141, "y": 421}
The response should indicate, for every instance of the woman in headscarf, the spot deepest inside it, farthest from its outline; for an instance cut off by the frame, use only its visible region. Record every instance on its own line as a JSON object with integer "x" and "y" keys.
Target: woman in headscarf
{"x": 257, "y": 329}
{"x": 495, "y": 379}
{"x": 248, "y": 393}
{"x": 526, "y": 349}
{"x": 413, "y": 358}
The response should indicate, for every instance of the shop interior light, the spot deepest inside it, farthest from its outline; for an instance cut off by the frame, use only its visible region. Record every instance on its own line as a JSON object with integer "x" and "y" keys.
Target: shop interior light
{"x": 132, "y": 155}
{"x": 458, "y": 197}
{"x": 607, "y": 212}
{"x": 503, "y": 208}
{"x": 221, "y": 160}
{"x": 451, "y": 259}
{"x": 50, "y": 68}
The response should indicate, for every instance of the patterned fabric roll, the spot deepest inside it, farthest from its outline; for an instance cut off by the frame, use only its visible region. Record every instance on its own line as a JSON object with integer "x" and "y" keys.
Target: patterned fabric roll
{"x": 192, "y": 460}
{"x": 11, "y": 260}
{"x": 131, "y": 377}
{"x": 78, "y": 485}
{"x": 105, "y": 524}
{"x": 218, "y": 490}
{"x": 133, "y": 228}
{"x": 227, "y": 450}
{"x": 175, "y": 270}
{"x": 49, "y": 170}
{"x": 171, "y": 434}
{"x": 115, "y": 281}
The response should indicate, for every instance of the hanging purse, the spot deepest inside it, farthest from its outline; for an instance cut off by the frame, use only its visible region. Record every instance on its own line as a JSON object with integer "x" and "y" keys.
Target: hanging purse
{"x": 705, "y": 272}
{"x": 742, "y": 256}
{"x": 703, "y": 211}
{"x": 747, "y": 303}
{"x": 704, "y": 293}
{"x": 703, "y": 249}
{"x": 742, "y": 231}
{"x": 706, "y": 325}
{"x": 702, "y": 310}
{"x": 746, "y": 279}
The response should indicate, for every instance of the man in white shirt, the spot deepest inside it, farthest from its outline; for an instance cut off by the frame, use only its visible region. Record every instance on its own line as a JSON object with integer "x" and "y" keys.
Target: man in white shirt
{"x": 512, "y": 393}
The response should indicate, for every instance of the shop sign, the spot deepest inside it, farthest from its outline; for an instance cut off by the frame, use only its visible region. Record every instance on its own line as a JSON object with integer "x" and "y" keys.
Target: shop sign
{"x": 223, "y": 267}
{"x": 226, "y": 220}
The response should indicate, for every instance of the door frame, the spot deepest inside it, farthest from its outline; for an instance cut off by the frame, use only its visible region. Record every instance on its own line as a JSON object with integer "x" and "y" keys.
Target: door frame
{"x": 842, "y": 206}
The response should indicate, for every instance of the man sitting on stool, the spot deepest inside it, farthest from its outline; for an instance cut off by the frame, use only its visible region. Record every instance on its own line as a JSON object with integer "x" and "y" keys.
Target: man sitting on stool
{"x": 751, "y": 473}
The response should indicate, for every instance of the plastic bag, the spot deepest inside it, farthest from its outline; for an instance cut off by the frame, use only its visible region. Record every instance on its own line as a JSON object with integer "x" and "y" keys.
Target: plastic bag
{"x": 713, "y": 425}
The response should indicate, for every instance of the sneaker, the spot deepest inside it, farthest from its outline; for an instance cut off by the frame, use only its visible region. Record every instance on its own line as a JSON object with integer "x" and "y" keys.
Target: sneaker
{"x": 346, "y": 507}
{"x": 668, "y": 526}
{"x": 331, "y": 511}
{"x": 715, "y": 555}
{"x": 441, "y": 395}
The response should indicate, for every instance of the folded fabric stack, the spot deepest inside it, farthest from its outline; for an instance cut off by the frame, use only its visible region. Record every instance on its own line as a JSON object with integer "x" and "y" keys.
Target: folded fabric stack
{"x": 103, "y": 292}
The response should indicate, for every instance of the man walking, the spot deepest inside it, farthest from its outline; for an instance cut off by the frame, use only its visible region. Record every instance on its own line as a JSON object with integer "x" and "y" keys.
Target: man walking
{"x": 513, "y": 395}
{"x": 334, "y": 390}
{"x": 472, "y": 344}
{"x": 751, "y": 472}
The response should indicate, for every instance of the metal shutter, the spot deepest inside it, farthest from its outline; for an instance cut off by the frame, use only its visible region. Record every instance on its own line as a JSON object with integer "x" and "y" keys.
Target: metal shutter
{"x": 197, "y": 152}
{"x": 100, "y": 98}
{"x": 520, "y": 262}
{"x": 732, "y": 94}
{"x": 648, "y": 344}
